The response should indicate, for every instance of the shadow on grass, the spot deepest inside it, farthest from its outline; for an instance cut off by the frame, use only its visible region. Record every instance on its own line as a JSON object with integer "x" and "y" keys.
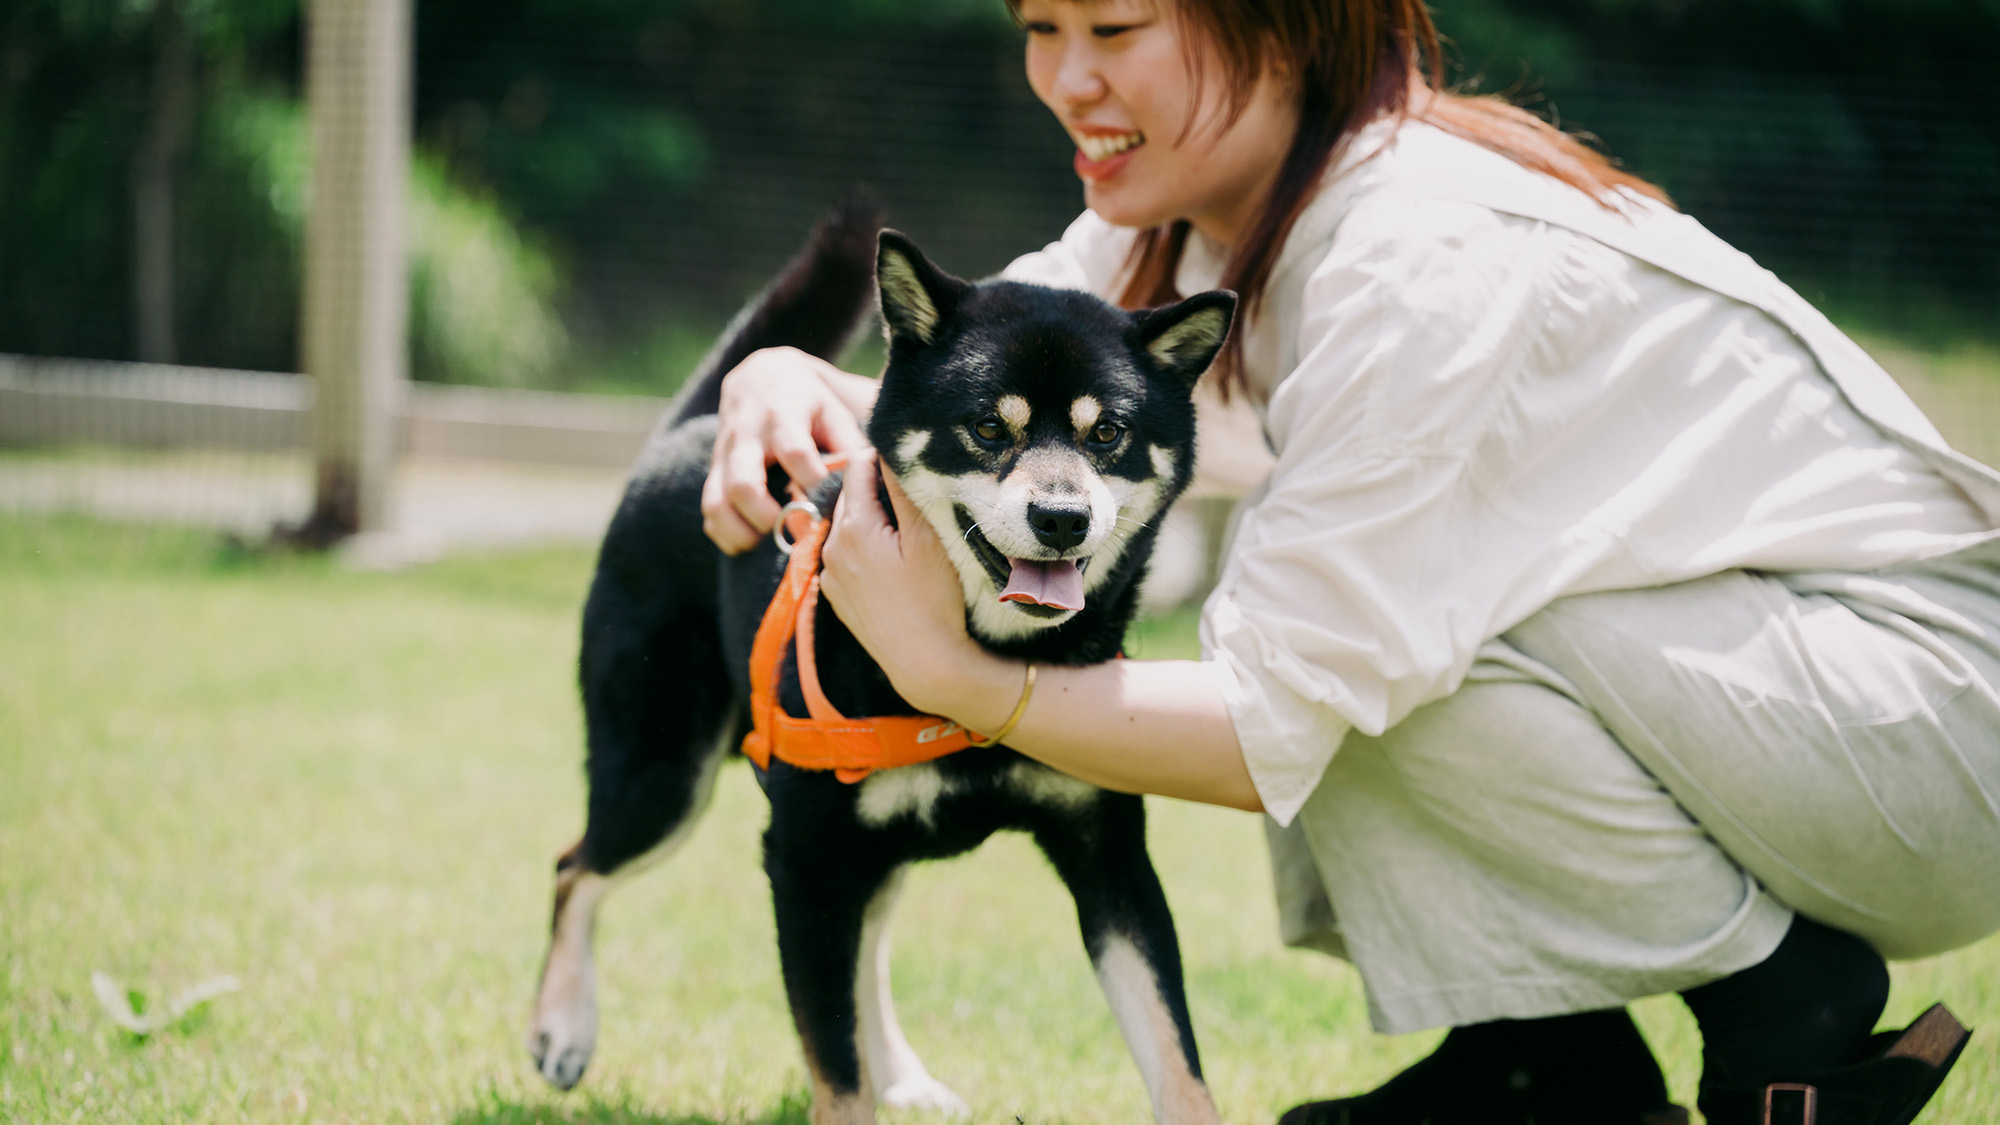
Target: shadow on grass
{"x": 496, "y": 1110}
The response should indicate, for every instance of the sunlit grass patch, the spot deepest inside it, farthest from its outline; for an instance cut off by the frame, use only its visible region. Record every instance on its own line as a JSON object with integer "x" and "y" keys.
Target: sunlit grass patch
{"x": 346, "y": 791}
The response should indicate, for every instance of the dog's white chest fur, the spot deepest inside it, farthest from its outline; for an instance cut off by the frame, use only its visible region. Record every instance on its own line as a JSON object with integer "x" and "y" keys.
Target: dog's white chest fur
{"x": 914, "y": 791}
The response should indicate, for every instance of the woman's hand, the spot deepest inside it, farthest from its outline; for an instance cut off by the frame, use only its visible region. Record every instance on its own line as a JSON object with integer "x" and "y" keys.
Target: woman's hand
{"x": 897, "y": 592}
{"x": 780, "y": 406}
{"x": 1138, "y": 726}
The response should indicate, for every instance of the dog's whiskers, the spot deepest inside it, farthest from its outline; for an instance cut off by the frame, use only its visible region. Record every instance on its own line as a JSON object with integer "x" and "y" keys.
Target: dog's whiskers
{"x": 1178, "y": 532}
{"x": 973, "y": 502}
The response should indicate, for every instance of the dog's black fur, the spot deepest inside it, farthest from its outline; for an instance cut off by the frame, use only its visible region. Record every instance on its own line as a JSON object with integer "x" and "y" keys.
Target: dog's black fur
{"x": 669, "y": 621}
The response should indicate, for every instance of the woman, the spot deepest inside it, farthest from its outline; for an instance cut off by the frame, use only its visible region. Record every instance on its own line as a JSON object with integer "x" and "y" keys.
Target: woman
{"x": 1607, "y": 624}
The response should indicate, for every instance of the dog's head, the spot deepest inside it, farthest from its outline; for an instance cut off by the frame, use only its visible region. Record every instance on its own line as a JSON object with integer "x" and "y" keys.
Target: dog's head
{"x": 1042, "y": 432}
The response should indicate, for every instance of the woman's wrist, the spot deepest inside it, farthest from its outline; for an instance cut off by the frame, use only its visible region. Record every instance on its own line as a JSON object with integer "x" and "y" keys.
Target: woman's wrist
{"x": 972, "y": 687}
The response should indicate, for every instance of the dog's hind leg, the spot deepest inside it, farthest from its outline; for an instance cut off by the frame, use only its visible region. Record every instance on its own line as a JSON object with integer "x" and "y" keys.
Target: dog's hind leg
{"x": 899, "y": 1076}
{"x": 1101, "y": 856}
{"x": 562, "y": 1034}
{"x": 657, "y": 704}
{"x": 563, "y": 1031}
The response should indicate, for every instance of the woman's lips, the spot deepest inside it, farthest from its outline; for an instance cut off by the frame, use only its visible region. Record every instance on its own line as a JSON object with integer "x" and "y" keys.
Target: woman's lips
{"x": 1099, "y": 156}
{"x": 1095, "y": 170}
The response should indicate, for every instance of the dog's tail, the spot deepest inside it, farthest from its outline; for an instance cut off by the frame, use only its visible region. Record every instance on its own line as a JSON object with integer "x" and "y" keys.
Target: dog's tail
{"x": 815, "y": 304}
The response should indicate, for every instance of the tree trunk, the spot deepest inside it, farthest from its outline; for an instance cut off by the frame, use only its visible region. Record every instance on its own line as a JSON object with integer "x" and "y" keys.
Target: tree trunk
{"x": 169, "y": 115}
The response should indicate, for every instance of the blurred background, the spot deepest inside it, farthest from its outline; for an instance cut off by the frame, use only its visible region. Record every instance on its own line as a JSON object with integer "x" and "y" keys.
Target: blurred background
{"x": 596, "y": 184}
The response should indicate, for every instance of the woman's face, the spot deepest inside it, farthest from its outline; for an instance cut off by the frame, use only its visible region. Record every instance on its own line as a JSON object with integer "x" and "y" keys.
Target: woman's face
{"x": 1115, "y": 73}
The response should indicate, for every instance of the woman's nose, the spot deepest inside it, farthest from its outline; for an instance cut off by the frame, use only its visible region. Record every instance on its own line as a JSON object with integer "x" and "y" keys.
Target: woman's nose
{"x": 1078, "y": 79}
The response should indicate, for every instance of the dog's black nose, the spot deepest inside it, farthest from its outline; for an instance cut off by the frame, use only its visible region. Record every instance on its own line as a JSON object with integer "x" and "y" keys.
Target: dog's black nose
{"x": 1059, "y": 528}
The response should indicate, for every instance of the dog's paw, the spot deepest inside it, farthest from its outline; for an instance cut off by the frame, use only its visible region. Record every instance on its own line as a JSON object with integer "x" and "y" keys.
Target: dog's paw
{"x": 561, "y": 1058}
{"x": 926, "y": 1093}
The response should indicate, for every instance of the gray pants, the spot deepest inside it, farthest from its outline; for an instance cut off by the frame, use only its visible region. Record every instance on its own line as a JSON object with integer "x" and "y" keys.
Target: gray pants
{"x": 1634, "y": 791}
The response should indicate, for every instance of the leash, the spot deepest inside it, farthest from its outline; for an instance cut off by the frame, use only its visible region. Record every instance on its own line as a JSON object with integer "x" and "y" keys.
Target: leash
{"x": 827, "y": 740}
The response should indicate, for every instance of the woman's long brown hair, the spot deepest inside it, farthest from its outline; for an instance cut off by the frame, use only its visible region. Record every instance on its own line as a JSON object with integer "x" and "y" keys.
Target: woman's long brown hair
{"x": 1351, "y": 62}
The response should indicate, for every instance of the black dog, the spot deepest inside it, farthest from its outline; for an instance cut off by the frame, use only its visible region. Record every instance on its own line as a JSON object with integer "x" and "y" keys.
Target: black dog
{"x": 1043, "y": 433}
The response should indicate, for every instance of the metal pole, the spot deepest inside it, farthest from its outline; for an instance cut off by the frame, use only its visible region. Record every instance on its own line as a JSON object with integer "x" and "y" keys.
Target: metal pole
{"x": 357, "y": 280}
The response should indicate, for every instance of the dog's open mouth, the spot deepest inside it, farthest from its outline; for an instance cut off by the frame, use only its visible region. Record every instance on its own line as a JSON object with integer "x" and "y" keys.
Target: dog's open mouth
{"x": 1039, "y": 587}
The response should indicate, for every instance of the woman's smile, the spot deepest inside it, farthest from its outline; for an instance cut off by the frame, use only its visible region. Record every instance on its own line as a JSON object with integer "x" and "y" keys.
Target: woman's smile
{"x": 1153, "y": 144}
{"x": 1100, "y": 156}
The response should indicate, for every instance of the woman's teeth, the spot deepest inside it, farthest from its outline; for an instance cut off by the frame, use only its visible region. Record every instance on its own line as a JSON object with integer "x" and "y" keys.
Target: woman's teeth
{"x": 1104, "y": 148}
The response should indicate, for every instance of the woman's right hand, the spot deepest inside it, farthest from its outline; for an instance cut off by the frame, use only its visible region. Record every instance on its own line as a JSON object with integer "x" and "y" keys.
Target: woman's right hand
{"x": 780, "y": 406}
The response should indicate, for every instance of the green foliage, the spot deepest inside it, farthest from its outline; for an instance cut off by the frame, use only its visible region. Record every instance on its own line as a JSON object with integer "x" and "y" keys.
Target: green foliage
{"x": 223, "y": 25}
{"x": 484, "y": 293}
{"x": 481, "y": 293}
{"x": 599, "y": 176}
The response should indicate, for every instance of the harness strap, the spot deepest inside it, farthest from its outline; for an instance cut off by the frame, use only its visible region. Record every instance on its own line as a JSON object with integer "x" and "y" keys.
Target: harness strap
{"x": 827, "y": 740}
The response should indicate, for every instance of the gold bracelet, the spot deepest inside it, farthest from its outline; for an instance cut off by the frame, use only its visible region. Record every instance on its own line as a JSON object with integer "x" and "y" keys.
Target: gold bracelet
{"x": 1013, "y": 720}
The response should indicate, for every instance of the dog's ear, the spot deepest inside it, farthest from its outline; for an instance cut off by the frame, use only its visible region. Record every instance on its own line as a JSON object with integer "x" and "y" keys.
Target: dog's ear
{"x": 1183, "y": 339}
{"x": 916, "y": 295}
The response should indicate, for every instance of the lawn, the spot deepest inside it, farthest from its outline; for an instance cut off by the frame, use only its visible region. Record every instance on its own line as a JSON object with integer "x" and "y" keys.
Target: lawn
{"x": 345, "y": 790}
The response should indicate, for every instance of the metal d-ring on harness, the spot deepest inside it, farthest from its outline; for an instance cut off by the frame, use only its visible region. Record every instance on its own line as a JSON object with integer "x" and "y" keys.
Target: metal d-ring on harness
{"x": 827, "y": 740}
{"x": 779, "y": 531}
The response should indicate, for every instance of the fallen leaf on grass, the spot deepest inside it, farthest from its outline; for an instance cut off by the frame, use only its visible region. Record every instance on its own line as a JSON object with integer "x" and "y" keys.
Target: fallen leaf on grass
{"x": 127, "y": 1007}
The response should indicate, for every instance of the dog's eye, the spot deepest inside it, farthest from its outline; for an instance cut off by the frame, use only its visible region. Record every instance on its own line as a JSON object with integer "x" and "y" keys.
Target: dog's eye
{"x": 1104, "y": 433}
{"x": 989, "y": 428}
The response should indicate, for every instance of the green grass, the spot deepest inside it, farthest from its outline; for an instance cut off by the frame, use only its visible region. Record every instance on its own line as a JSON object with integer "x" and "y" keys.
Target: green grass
{"x": 1956, "y": 382}
{"x": 346, "y": 790}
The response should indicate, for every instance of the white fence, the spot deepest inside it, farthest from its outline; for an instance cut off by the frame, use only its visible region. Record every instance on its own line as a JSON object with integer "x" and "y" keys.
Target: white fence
{"x": 67, "y": 402}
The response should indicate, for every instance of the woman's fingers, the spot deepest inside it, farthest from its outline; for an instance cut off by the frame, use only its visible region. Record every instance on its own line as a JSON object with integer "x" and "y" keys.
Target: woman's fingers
{"x": 777, "y": 407}
{"x": 837, "y": 430}
{"x": 857, "y": 507}
{"x": 736, "y": 505}
{"x": 916, "y": 536}
{"x": 791, "y": 445}
{"x": 892, "y": 586}
{"x": 720, "y": 520}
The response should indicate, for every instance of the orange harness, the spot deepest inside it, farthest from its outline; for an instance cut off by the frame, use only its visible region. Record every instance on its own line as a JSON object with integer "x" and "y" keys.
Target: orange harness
{"x": 851, "y": 748}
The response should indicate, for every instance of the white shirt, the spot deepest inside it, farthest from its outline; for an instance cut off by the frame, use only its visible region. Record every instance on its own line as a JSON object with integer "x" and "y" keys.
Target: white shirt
{"x": 1475, "y": 412}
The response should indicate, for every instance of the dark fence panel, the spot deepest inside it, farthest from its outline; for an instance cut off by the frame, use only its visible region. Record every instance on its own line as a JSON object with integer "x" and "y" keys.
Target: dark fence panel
{"x": 669, "y": 160}
{"x": 942, "y": 128}
{"x": 1878, "y": 190}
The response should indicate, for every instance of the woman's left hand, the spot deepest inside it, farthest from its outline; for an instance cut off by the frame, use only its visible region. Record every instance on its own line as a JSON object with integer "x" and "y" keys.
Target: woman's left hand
{"x": 895, "y": 589}
{"x": 1137, "y": 726}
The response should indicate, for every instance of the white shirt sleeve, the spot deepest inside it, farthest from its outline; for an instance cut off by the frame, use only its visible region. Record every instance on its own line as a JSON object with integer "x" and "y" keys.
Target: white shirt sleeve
{"x": 1361, "y": 584}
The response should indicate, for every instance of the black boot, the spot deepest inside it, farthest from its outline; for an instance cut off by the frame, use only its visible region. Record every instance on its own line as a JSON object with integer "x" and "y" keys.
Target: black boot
{"x": 1592, "y": 1068}
{"x": 1890, "y": 1085}
{"x": 1793, "y": 1033}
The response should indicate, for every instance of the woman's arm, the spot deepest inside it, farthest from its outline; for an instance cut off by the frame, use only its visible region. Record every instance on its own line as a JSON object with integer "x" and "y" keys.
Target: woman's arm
{"x": 780, "y": 406}
{"x": 1139, "y": 726}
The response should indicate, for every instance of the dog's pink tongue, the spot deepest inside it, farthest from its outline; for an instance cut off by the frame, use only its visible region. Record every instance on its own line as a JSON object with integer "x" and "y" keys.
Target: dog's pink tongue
{"x": 1057, "y": 584}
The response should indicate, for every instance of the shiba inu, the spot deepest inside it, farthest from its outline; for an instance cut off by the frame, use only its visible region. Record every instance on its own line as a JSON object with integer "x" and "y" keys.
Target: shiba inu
{"x": 1042, "y": 433}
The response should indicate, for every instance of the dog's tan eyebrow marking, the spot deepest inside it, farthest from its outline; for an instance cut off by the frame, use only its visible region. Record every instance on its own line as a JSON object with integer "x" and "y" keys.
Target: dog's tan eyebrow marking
{"x": 1013, "y": 410}
{"x": 1084, "y": 413}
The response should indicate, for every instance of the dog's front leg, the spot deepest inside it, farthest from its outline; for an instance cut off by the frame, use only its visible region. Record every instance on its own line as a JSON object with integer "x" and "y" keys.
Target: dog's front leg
{"x": 820, "y": 894}
{"x": 1101, "y": 855}
{"x": 900, "y": 1077}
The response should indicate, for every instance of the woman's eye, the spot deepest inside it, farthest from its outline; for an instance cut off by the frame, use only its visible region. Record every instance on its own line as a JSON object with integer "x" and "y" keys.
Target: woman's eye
{"x": 1109, "y": 30}
{"x": 989, "y": 429}
{"x": 1104, "y": 433}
